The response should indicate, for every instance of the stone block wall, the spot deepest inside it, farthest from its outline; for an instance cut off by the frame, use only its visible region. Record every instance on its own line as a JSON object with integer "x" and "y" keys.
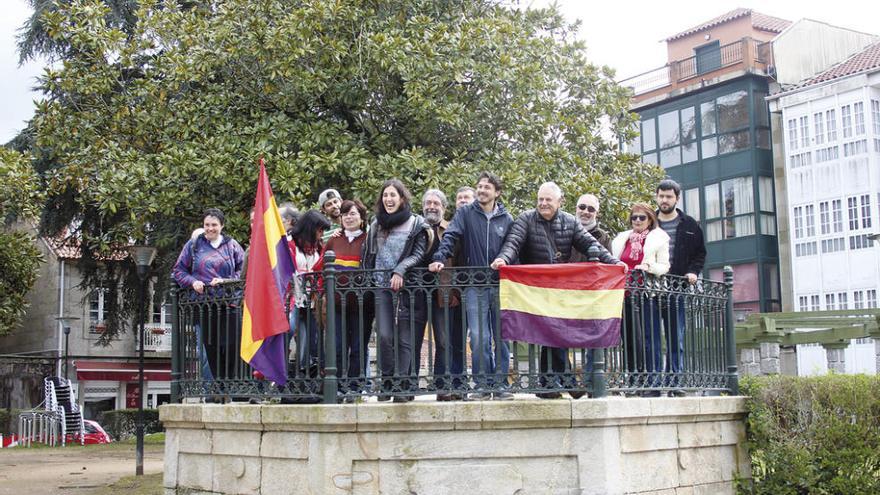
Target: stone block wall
{"x": 691, "y": 445}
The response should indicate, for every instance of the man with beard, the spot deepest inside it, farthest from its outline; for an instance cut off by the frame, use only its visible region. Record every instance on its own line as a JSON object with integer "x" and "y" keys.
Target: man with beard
{"x": 464, "y": 196}
{"x": 547, "y": 235}
{"x": 687, "y": 253}
{"x": 445, "y": 307}
{"x": 587, "y": 213}
{"x": 330, "y": 201}
{"x": 478, "y": 229}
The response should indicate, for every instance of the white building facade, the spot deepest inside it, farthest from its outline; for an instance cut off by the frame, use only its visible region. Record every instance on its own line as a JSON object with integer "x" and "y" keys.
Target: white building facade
{"x": 831, "y": 134}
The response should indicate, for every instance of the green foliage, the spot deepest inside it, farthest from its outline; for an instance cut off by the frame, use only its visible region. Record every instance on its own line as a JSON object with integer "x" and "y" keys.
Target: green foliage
{"x": 120, "y": 424}
{"x": 813, "y": 435}
{"x": 146, "y": 125}
{"x": 19, "y": 257}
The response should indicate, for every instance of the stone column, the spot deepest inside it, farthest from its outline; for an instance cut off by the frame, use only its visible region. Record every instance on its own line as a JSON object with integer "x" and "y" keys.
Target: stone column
{"x": 788, "y": 360}
{"x": 749, "y": 361}
{"x": 836, "y": 358}
{"x": 770, "y": 359}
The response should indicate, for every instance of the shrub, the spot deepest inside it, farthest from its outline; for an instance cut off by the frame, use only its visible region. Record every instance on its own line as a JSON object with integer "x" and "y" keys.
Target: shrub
{"x": 121, "y": 423}
{"x": 813, "y": 434}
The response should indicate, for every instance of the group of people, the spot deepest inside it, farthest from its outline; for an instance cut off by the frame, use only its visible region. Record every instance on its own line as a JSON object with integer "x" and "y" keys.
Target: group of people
{"x": 481, "y": 233}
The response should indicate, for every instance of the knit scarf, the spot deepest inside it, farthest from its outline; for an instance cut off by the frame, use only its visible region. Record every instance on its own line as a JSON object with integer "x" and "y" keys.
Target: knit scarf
{"x": 637, "y": 243}
{"x": 389, "y": 221}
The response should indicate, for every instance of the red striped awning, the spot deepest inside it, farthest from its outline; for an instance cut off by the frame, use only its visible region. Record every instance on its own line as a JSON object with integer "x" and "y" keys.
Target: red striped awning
{"x": 122, "y": 372}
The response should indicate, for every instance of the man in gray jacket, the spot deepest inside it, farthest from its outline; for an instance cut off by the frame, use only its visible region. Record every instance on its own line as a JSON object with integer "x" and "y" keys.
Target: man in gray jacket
{"x": 542, "y": 236}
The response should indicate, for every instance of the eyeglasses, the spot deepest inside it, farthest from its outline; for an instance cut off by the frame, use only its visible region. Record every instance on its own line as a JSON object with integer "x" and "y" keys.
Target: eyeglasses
{"x": 640, "y": 218}
{"x": 587, "y": 207}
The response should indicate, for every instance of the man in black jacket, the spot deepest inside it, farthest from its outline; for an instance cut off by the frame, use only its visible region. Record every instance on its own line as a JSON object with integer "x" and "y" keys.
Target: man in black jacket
{"x": 687, "y": 254}
{"x": 548, "y": 235}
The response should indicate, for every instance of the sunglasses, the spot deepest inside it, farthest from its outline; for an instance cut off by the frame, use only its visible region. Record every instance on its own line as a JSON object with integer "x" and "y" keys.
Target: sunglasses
{"x": 640, "y": 218}
{"x": 587, "y": 207}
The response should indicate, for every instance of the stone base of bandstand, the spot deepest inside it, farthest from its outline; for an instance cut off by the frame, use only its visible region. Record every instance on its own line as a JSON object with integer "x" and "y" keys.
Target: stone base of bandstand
{"x": 668, "y": 446}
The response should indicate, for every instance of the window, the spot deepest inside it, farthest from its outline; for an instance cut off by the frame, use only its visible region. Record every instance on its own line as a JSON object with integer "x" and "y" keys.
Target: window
{"x": 819, "y": 122}
{"x": 728, "y": 117}
{"x": 798, "y": 222}
{"x": 712, "y": 203}
{"x": 802, "y": 303}
{"x": 649, "y": 136}
{"x": 670, "y": 137}
{"x": 97, "y": 310}
{"x": 859, "y": 242}
{"x": 824, "y": 218}
{"x": 853, "y": 208}
{"x": 810, "y": 221}
{"x": 841, "y": 300}
{"x": 829, "y": 302}
{"x": 805, "y": 249}
{"x": 837, "y": 215}
{"x": 871, "y": 298}
{"x": 805, "y": 132}
{"x": 865, "y": 200}
{"x": 814, "y": 302}
{"x": 859, "y": 115}
{"x": 792, "y": 134}
{"x": 833, "y": 245}
{"x": 767, "y": 205}
{"x": 846, "y": 116}
{"x": 738, "y": 207}
{"x": 827, "y": 154}
{"x": 875, "y": 114}
{"x": 762, "y": 113}
{"x": 831, "y": 125}
{"x": 161, "y": 314}
{"x": 858, "y": 299}
{"x": 801, "y": 159}
{"x": 692, "y": 202}
{"x": 855, "y": 147}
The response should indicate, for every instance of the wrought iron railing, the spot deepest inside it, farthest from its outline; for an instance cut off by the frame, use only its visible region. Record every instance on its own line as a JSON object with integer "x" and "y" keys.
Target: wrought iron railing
{"x": 680, "y": 71}
{"x": 378, "y": 335}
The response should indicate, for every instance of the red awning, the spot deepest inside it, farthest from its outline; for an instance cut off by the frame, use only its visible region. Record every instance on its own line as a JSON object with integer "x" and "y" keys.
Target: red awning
{"x": 122, "y": 372}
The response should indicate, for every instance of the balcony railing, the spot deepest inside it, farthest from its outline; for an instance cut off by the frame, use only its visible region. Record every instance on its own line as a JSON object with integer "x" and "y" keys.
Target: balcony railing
{"x": 157, "y": 337}
{"x": 333, "y": 366}
{"x": 746, "y": 52}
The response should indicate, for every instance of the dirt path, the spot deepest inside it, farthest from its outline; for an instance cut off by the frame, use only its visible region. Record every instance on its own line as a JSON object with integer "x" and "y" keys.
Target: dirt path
{"x": 71, "y": 470}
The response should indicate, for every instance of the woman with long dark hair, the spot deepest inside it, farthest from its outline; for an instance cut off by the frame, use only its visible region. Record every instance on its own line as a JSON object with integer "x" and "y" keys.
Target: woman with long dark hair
{"x": 398, "y": 240}
{"x": 306, "y": 248}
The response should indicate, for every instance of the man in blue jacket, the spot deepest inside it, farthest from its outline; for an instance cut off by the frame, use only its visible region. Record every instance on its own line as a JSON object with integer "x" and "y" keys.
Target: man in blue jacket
{"x": 480, "y": 228}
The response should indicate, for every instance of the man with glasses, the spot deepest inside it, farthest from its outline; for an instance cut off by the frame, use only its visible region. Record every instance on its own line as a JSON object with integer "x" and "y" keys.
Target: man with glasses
{"x": 587, "y": 214}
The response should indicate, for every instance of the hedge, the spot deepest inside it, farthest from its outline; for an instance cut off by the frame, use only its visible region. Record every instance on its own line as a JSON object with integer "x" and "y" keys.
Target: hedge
{"x": 813, "y": 435}
{"x": 121, "y": 423}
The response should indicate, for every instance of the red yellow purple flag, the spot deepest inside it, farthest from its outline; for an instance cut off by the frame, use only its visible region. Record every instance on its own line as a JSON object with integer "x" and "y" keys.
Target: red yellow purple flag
{"x": 564, "y": 305}
{"x": 269, "y": 270}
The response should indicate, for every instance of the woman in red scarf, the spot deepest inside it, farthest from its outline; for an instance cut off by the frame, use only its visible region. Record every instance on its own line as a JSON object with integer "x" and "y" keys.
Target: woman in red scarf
{"x": 645, "y": 248}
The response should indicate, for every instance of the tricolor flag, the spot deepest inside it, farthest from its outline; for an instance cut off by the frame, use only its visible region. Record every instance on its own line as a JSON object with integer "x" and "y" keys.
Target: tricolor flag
{"x": 565, "y": 305}
{"x": 269, "y": 270}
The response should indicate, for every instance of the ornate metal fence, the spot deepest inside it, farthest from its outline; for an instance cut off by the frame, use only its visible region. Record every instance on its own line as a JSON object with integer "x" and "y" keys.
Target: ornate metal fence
{"x": 354, "y": 338}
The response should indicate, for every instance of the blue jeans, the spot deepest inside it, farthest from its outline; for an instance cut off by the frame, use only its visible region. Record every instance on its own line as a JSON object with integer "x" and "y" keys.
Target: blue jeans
{"x": 202, "y": 354}
{"x": 481, "y": 306}
{"x": 674, "y": 320}
{"x": 641, "y": 337}
{"x": 308, "y": 353}
{"x": 449, "y": 345}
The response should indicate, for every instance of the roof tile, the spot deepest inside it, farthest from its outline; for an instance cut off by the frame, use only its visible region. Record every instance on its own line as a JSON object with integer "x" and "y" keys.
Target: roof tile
{"x": 760, "y": 21}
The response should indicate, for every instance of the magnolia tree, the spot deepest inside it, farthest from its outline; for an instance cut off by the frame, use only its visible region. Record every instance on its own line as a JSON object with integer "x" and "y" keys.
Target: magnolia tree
{"x": 148, "y": 122}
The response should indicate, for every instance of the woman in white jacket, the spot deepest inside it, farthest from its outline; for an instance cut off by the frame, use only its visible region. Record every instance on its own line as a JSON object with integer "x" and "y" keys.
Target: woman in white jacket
{"x": 644, "y": 247}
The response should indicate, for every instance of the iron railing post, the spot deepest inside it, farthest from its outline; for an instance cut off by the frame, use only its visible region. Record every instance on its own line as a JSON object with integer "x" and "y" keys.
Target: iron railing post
{"x": 331, "y": 383}
{"x": 177, "y": 347}
{"x": 599, "y": 389}
{"x": 730, "y": 335}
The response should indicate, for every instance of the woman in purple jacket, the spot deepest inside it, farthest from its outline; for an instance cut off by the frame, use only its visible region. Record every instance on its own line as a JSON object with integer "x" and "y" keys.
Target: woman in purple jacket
{"x": 207, "y": 261}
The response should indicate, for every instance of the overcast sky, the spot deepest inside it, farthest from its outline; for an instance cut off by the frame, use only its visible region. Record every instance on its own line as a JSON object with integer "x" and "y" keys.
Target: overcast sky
{"x": 625, "y": 35}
